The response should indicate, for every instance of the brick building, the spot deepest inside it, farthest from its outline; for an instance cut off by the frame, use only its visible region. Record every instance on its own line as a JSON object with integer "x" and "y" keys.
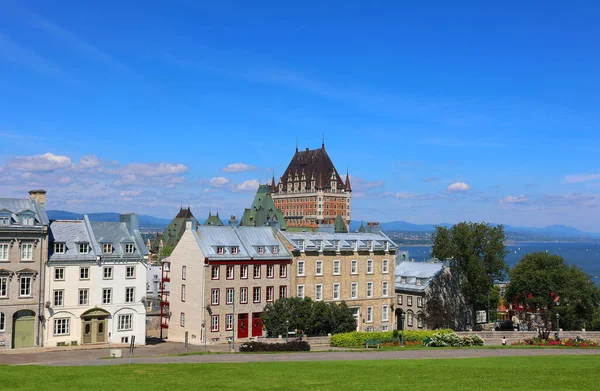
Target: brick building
{"x": 357, "y": 268}
{"x": 312, "y": 192}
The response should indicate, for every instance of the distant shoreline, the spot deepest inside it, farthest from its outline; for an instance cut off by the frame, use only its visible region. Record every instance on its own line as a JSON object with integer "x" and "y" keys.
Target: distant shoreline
{"x": 516, "y": 243}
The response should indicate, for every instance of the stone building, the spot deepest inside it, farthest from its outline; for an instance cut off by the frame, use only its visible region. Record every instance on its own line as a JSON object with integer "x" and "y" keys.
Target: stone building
{"x": 357, "y": 268}
{"x": 220, "y": 280}
{"x": 311, "y": 192}
{"x": 23, "y": 254}
{"x": 96, "y": 282}
{"x": 413, "y": 280}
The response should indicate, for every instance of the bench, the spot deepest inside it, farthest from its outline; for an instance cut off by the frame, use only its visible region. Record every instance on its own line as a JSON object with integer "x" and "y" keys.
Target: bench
{"x": 426, "y": 341}
{"x": 371, "y": 342}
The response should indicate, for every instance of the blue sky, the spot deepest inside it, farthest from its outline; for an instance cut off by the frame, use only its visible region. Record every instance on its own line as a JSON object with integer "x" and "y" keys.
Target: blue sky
{"x": 442, "y": 112}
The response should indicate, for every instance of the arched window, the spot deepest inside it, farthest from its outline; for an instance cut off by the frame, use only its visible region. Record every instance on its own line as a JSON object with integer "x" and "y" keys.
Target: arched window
{"x": 2, "y": 321}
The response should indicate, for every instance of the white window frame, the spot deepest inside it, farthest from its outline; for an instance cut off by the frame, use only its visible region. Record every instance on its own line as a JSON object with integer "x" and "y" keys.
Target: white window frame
{"x": 127, "y": 270}
{"x": 260, "y": 250}
{"x": 84, "y": 294}
{"x": 27, "y": 252}
{"x": 337, "y": 267}
{"x": 183, "y": 292}
{"x": 369, "y": 289}
{"x": 336, "y": 291}
{"x": 254, "y": 290}
{"x": 2, "y": 322}
{"x": 214, "y": 323}
{"x": 385, "y": 266}
{"x": 215, "y": 272}
{"x": 87, "y": 273}
{"x": 270, "y": 294}
{"x": 301, "y": 271}
{"x": 270, "y": 271}
{"x": 282, "y": 291}
{"x": 129, "y": 294}
{"x": 59, "y": 248}
{"x": 256, "y": 270}
{"x": 229, "y": 295}
{"x": 409, "y": 301}
{"x": 369, "y": 314}
{"x": 83, "y": 246}
{"x": 107, "y": 248}
{"x": 399, "y": 300}
{"x": 61, "y": 326}
{"x": 129, "y": 248}
{"x": 318, "y": 268}
{"x": 354, "y": 290}
{"x": 244, "y": 295}
{"x": 385, "y": 313}
{"x": 106, "y": 294}
{"x": 58, "y": 298}
{"x": 4, "y": 286}
{"x": 220, "y": 250}
{"x": 275, "y": 249}
{"x": 244, "y": 272}
{"x": 230, "y": 272}
{"x": 182, "y": 319}
{"x": 59, "y": 274}
{"x": 125, "y": 322}
{"x": 107, "y": 273}
{"x": 354, "y": 266}
{"x": 215, "y": 294}
{"x": 4, "y": 251}
{"x": 300, "y": 291}
{"x": 27, "y": 290}
{"x": 370, "y": 266}
{"x": 419, "y": 302}
{"x": 235, "y": 250}
{"x": 229, "y": 319}
{"x": 385, "y": 289}
{"x": 318, "y": 292}
{"x": 282, "y": 271}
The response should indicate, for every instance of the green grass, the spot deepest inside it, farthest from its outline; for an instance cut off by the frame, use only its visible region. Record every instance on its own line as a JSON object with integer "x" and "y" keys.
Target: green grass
{"x": 492, "y": 373}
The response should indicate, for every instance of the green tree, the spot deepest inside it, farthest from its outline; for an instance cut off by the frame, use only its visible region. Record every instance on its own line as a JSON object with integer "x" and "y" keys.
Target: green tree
{"x": 311, "y": 317}
{"x": 545, "y": 286}
{"x": 477, "y": 251}
{"x": 166, "y": 251}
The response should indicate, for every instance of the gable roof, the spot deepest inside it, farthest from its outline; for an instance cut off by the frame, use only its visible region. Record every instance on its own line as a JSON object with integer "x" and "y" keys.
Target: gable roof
{"x": 213, "y": 220}
{"x": 174, "y": 231}
{"x": 312, "y": 163}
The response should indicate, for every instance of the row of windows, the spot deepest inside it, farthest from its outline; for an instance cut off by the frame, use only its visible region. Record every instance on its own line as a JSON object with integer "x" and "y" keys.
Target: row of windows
{"x": 214, "y": 322}
{"x": 62, "y": 325}
{"x": 418, "y": 281}
{"x": 84, "y": 273}
{"x": 84, "y": 294}
{"x": 215, "y": 273}
{"x": 24, "y": 220}
{"x": 409, "y": 301}
{"x": 25, "y": 284}
{"x": 336, "y": 294}
{"x": 336, "y": 270}
{"x": 235, "y": 250}
{"x": 26, "y": 251}
{"x": 215, "y": 294}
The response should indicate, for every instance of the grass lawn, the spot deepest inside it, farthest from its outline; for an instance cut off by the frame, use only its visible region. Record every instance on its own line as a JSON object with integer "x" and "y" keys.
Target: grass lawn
{"x": 494, "y": 373}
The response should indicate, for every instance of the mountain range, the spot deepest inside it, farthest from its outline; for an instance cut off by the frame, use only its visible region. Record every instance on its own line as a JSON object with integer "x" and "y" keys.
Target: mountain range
{"x": 158, "y": 223}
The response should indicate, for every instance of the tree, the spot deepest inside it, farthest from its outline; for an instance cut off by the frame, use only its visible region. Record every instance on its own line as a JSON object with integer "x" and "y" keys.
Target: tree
{"x": 166, "y": 251}
{"x": 545, "y": 286}
{"x": 477, "y": 251}
{"x": 439, "y": 312}
{"x": 312, "y": 317}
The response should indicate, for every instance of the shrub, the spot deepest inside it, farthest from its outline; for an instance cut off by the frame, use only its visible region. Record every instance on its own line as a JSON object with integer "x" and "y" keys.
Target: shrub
{"x": 291, "y": 346}
{"x": 569, "y": 342}
{"x": 358, "y": 338}
{"x": 454, "y": 340}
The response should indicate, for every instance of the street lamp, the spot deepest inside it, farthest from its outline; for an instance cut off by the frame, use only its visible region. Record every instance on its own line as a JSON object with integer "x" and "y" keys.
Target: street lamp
{"x": 403, "y": 316}
{"x": 287, "y": 325}
{"x": 557, "y": 326}
{"x": 233, "y": 322}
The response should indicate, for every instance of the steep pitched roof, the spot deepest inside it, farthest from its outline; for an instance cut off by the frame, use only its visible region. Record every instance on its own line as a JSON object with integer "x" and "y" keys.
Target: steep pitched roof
{"x": 213, "y": 220}
{"x": 263, "y": 210}
{"x": 175, "y": 230}
{"x": 340, "y": 225}
{"x": 72, "y": 233}
{"x": 15, "y": 206}
{"x": 118, "y": 235}
{"x": 312, "y": 163}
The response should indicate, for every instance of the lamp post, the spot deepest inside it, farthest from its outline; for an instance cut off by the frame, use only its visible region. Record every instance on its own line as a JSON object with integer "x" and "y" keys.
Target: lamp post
{"x": 204, "y": 334}
{"x": 403, "y": 316}
{"x": 287, "y": 325}
{"x": 557, "y": 326}
{"x": 233, "y": 322}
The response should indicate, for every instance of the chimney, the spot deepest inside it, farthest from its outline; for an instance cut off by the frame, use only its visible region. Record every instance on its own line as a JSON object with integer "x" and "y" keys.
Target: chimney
{"x": 190, "y": 224}
{"x": 38, "y": 195}
{"x": 233, "y": 222}
{"x": 131, "y": 221}
{"x": 373, "y": 227}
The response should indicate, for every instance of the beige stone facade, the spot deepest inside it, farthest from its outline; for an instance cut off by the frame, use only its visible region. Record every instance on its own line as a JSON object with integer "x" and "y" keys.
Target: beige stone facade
{"x": 356, "y": 268}
{"x": 221, "y": 280}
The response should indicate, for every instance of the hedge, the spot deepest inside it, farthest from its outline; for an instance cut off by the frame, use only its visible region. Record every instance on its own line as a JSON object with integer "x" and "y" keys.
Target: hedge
{"x": 358, "y": 338}
{"x": 291, "y": 346}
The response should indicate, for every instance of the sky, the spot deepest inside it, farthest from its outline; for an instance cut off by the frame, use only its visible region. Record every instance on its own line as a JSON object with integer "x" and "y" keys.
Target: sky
{"x": 441, "y": 112}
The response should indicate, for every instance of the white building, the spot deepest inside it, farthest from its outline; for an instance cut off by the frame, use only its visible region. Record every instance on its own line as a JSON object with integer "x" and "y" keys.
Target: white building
{"x": 96, "y": 283}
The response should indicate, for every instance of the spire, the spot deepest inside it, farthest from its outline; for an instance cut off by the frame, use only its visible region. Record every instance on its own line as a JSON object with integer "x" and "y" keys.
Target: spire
{"x": 296, "y": 143}
{"x": 273, "y": 182}
{"x": 348, "y": 187}
{"x": 323, "y": 141}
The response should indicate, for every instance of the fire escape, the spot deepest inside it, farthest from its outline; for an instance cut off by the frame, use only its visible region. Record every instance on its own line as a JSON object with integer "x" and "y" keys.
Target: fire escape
{"x": 165, "y": 313}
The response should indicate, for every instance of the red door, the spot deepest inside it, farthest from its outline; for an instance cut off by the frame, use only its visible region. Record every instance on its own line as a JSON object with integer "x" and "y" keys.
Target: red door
{"x": 242, "y": 325}
{"x": 256, "y": 325}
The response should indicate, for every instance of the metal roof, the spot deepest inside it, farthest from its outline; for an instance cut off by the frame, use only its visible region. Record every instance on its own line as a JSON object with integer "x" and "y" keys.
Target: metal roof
{"x": 118, "y": 235}
{"x": 314, "y": 241}
{"x": 17, "y": 206}
{"x": 412, "y": 271}
{"x": 71, "y": 233}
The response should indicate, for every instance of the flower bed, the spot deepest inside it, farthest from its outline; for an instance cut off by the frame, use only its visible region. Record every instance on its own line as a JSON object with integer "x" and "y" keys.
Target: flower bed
{"x": 569, "y": 342}
{"x": 454, "y": 340}
{"x": 358, "y": 338}
{"x": 291, "y": 346}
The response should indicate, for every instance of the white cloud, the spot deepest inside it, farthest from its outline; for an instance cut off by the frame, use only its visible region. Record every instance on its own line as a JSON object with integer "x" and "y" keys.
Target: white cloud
{"x": 89, "y": 161}
{"x": 153, "y": 169}
{"x": 249, "y": 185}
{"x": 581, "y": 178}
{"x": 514, "y": 199}
{"x": 459, "y": 187}
{"x": 239, "y": 167}
{"x": 40, "y": 163}
{"x": 130, "y": 193}
{"x": 219, "y": 181}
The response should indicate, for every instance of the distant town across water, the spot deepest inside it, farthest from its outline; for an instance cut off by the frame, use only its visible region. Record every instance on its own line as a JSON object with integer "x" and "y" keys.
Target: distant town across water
{"x": 585, "y": 255}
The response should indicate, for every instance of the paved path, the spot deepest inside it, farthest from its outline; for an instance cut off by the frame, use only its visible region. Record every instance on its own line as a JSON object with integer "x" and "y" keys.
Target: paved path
{"x": 70, "y": 360}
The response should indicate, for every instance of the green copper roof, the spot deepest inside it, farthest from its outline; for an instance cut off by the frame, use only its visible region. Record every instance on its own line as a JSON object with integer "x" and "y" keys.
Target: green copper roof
{"x": 263, "y": 210}
{"x": 175, "y": 230}
{"x": 214, "y": 221}
{"x": 340, "y": 225}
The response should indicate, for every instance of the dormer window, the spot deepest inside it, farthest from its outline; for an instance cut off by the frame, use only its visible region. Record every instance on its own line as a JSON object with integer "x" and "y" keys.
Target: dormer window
{"x": 27, "y": 220}
{"x": 84, "y": 248}
{"x": 107, "y": 248}
{"x": 419, "y": 282}
{"x": 4, "y": 220}
{"x": 275, "y": 250}
{"x": 403, "y": 280}
{"x": 301, "y": 244}
{"x": 220, "y": 250}
{"x": 129, "y": 248}
{"x": 260, "y": 249}
{"x": 235, "y": 250}
{"x": 59, "y": 248}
